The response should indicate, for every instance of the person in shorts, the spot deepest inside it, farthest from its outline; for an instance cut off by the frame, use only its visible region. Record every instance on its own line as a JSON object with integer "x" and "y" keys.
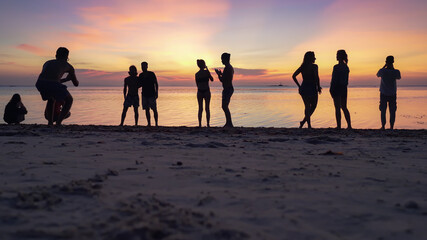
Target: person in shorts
{"x": 130, "y": 93}
{"x": 150, "y": 92}
{"x": 50, "y": 86}
{"x": 388, "y": 91}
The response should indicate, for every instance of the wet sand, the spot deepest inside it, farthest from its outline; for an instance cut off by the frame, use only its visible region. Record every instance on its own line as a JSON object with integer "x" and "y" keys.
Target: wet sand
{"x": 104, "y": 182}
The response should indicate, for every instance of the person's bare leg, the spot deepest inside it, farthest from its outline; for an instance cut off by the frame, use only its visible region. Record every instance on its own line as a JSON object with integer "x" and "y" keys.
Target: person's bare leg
{"x": 50, "y": 111}
{"x": 65, "y": 109}
{"x": 200, "y": 103}
{"x": 306, "y": 111}
{"x": 228, "y": 121}
{"x": 383, "y": 118}
{"x": 337, "y": 105}
{"x": 125, "y": 109}
{"x": 392, "y": 117}
{"x": 346, "y": 112}
{"x": 313, "y": 106}
{"x": 156, "y": 117}
{"x": 135, "y": 110}
{"x": 147, "y": 115}
{"x": 208, "y": 111}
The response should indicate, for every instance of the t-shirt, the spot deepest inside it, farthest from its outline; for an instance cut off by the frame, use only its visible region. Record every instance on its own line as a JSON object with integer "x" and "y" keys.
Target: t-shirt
{"x": 227, "y": 77}
{"x": 202, "y": 80}
{"x": 53, "y": 70}
{"x": 340, "y": 75}
{"x": 388, "y": 81}
{"x": 133, "y": 85}
{"x": 148, "y": 82}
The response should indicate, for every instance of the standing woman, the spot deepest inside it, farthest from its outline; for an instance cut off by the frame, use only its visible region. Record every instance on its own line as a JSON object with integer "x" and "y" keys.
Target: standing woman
{"x": 203, "y": 92}
{"x": 338, "y": 88}
{"x": 310, "y": 86}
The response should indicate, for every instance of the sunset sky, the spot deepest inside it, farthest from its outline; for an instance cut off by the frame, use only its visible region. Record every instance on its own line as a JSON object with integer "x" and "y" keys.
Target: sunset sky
{"x": 266, "y": 38}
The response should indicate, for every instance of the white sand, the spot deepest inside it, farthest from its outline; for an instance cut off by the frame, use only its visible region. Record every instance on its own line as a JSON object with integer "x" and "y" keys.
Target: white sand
{"x": 95, "y": 182}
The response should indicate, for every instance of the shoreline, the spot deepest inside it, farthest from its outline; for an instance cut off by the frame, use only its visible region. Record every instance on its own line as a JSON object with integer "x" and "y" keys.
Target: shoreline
{"x": 111, "y": 182}
{"x": 267, "y": 130}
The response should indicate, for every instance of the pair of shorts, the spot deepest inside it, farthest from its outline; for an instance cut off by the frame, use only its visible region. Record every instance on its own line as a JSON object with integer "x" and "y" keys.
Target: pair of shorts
{"x": 391, "y": 100}
{"x": 226, "y": 95}
{"x": 204, "y": 94}
{"x": 52, "y": 90}
{"x": 131, "y": 100}
{"x": 149, "y": 102}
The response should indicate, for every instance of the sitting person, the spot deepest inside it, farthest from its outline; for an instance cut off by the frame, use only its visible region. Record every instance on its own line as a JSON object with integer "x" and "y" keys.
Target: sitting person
{"x": 15, "y": 111}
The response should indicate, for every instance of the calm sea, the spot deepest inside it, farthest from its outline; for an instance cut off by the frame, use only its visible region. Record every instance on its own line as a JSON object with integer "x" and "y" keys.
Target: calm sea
{"x": 250, "y": 107}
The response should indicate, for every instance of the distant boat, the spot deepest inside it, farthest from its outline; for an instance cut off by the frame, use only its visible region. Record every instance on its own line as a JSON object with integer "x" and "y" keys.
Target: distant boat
{"x": 278, "y": 85}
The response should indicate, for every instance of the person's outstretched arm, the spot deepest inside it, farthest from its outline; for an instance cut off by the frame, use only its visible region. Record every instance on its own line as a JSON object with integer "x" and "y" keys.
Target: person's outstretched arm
{"x": 72, "y": 76}
{"x": 294, "y": 76}
{"x": 219, "y": 73}
{"x": 210, "y": 76}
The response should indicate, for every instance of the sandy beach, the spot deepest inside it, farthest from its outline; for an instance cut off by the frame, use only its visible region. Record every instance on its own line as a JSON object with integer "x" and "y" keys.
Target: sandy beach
{"x": 105, "y": 182}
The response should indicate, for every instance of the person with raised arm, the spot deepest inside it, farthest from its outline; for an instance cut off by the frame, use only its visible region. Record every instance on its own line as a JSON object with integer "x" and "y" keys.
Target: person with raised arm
{"x": 310, "y": 86}
{"x": 226, "y": 78}
{"x": 388, "y": 91}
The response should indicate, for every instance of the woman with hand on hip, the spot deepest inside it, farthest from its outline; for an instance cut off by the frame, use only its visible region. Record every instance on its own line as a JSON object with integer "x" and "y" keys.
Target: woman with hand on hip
{"x": 310, "y": 86}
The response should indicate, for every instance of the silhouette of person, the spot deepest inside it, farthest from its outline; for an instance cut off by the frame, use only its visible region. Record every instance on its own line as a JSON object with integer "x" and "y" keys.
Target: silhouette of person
{"x": 338, "y": 88}
{"x": 203, "y": 92}
{"x": 131, "y": 85}
{"x": 388, "y": 90}
{"x": 226, "y": 78}
{"x": 50, "y": 86}
{"x": 150, "y": 92}
{"x": 310, "y": 86}
{"x": 14, "y": 112}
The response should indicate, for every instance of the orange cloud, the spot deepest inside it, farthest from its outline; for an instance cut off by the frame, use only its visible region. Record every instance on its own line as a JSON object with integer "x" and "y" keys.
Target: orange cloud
{"x": 31, "y": 49}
